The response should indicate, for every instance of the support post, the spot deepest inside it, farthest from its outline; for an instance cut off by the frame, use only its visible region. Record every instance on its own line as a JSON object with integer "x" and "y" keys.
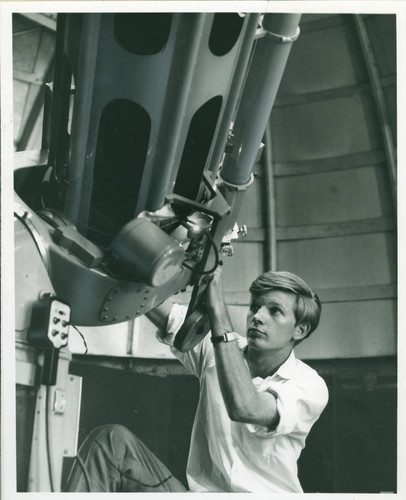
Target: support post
{"x": 380, "y": 102}
{"x": 271, "y": 246}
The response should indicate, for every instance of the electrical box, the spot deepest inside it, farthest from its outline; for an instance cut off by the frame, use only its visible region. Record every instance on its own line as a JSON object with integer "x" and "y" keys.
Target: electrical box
{"x": 49, "y": 323}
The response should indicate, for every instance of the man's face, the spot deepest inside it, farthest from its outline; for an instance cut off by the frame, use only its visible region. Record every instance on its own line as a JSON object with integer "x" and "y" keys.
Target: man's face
{"x": 271, "y": 322}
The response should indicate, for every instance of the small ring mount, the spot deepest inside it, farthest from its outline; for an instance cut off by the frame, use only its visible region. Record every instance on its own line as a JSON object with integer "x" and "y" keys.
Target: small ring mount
{"x": 238, "y": 187}
{"x": 283, "y": 38}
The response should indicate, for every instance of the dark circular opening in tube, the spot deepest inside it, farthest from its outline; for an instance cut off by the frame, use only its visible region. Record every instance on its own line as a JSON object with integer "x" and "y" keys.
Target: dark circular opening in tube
{"x": 142, "y": 34}
{"x": 224, "y": 33}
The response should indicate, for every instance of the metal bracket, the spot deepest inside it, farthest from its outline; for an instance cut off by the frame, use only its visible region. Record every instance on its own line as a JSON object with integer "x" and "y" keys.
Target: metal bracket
{"x": 282, "y": 38}
{"x": 278, "y": 38}
{"x": 238, "y": 187}
{"x": 59, "y": 401}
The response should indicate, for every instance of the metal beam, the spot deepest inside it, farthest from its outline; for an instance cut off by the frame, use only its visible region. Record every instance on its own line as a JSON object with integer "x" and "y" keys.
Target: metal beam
{"x": 318, "y": 231}
{"x": 23, "y": 76}
{"x": 41, "y": 19}
{"x": 22, "y": 159}
{"x": 156, "y": 367}
{"x": 358, "y": 294}
{"x": 342, "y": 162}
{"x": 33, "y": 114}
{"x": 335, "y": 93}
{"x": 379, "y": 97}
{"x": 331, "y": 295}
{"x": 368, "y": 226}
{"x": 322, "y": 95}
{"x": 324, "y": 23}
{"x": 327, "y": 295}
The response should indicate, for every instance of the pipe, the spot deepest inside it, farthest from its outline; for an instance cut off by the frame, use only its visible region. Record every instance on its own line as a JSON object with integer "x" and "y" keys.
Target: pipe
{"x": 179, "y": 87}
{"x": 270, "y": 203}
{"x": 60, "y": 102}
{"x": 268, "y": 63}
{"x": 78, "y": 196}
{"x": 237, "y": 82}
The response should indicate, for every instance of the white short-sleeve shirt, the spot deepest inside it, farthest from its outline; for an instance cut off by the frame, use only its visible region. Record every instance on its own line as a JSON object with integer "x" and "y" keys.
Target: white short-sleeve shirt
{"x": 228, "y": 456}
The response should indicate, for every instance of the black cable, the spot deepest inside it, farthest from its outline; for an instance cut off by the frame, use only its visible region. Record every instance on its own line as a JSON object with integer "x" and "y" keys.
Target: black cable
{"x": 125, "y": 475}
{"x": 216, "y": 256}
{"x": 83, "y": 338}
{"x": 218, "y": 262}
{"x": 47, "y": 437}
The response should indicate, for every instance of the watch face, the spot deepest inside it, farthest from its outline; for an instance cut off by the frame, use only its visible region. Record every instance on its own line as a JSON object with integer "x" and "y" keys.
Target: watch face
{"x": 227, "y": 337}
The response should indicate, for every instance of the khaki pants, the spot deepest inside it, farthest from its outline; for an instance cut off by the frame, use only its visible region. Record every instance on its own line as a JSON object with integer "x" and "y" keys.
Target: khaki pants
{"x": 113, "y": 459}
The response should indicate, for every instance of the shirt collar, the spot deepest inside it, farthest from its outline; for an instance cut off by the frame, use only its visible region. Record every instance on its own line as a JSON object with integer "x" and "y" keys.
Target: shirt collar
{"x": 287, "y": 368}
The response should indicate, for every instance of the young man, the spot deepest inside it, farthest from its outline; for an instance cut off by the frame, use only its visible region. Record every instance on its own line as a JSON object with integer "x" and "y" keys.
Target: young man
{"x": 257, "y": 401}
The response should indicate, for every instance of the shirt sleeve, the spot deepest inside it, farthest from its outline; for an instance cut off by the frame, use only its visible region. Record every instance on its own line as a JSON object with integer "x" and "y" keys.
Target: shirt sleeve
{"x": 299, "y": 402}
{"x": 197, "y": 358}
{"x": 174, "y": 322}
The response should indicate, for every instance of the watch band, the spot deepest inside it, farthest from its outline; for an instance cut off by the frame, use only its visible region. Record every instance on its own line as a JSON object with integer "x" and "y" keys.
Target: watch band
{"x": 226, "y": 337}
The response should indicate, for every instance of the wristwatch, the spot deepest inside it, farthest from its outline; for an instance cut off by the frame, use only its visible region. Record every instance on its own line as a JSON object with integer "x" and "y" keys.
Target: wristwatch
{"x": 226, "y": 337}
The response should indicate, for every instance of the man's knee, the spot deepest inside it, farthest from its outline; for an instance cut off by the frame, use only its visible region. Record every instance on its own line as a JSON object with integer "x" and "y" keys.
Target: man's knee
{"x": 114, "y": 438}
{"x": 114, "y": 431}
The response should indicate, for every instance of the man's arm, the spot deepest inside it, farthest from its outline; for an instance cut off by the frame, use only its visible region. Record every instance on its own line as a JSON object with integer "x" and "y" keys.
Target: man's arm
{"x": 243, "y": 402}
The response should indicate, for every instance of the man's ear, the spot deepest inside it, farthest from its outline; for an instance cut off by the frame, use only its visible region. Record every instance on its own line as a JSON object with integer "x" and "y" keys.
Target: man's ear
{"x": 301, "y": 331}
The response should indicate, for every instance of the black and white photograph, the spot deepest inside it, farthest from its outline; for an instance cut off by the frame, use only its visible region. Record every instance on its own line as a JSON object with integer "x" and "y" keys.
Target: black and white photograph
{"x": 200, "y": 241}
